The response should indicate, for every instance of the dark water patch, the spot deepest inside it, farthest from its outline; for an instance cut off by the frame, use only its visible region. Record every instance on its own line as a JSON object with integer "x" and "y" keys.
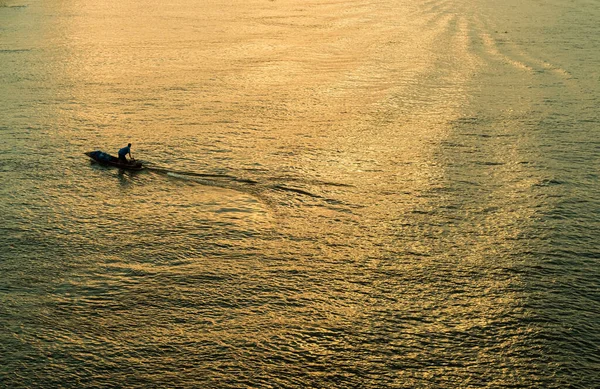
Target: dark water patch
{"x": 472, "y": 120}
{"x": 477, "y": 135}
{"x": 13, "y": 51}
{"x": 423, "y": 212}
{"x": 489, "y": 163}
{"x": 469, "y": 183}
{"x": 454, "y": 144}
{"x": 4, "y": 5}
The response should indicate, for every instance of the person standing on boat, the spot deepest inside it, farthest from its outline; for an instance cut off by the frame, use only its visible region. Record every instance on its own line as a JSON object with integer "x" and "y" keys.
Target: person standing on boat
{"x": 123, "y": 153}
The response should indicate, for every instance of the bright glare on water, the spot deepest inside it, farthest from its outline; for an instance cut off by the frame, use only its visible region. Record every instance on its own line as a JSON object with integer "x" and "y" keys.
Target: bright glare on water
{"x": 338, "y": 194}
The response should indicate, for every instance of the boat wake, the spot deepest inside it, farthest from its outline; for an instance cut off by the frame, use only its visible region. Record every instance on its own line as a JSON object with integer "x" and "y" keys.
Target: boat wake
{"x": 260, "y": 187}
{"x": 187, "y": 175}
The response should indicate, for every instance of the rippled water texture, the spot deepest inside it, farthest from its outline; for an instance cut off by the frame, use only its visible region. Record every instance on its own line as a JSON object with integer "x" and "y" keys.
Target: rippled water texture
{"x": 361, "y": 193}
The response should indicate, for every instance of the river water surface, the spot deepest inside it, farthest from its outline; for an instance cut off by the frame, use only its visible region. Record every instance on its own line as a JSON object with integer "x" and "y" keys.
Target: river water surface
{"x": 340, "y": 193}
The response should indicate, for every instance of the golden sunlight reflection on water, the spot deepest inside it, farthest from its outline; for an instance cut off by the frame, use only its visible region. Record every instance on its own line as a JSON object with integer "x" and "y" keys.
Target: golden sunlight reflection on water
{"x": 338, "y": 193}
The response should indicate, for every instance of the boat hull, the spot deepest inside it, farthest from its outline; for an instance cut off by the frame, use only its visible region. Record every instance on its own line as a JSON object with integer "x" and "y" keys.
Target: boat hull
{"x": 108, "y": 160}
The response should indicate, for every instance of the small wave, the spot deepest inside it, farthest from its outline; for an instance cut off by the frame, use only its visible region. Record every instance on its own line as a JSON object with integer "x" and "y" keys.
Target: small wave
{"x": 312, "y": 181}
{"x": 295, "y": 190}
{"x": 176, "y": 175}
{"x": 550, "y": 182}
